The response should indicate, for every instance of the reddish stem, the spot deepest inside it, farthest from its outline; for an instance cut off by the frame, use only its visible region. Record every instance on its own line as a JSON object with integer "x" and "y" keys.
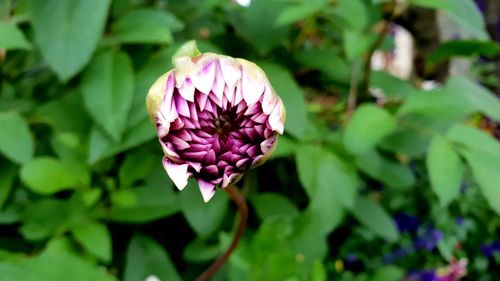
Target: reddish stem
{"x": 243, "y": 209}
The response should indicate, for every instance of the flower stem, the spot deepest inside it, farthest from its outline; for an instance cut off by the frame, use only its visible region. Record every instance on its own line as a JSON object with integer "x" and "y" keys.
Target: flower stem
{"x": 240, "y": 202}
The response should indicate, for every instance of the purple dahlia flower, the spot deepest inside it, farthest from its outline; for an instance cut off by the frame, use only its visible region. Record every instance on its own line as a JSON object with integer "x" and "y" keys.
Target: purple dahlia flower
{"x": 216, "y": 117}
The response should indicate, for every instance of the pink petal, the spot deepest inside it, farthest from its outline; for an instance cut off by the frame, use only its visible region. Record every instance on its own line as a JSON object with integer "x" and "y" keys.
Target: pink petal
{"x": 187, "y": 90}
{"x": 269, "y": 100}
{"x": 227, "y": 180}
{"x": 204, "y": 80}
{"x": 207, "y": 190}
{"x": 230, "y": 70}
{"x": 267, "y": 144}
{"x": 276, "y": 118}
{"x": 182, "y": 106}
{"x": 252, "y": 83}
{"x": 201, "y": 99}
{"x": 177, "y": 173}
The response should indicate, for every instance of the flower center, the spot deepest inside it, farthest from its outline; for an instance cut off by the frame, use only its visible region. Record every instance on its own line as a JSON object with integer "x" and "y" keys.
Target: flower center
{"x": 224, "y": 124}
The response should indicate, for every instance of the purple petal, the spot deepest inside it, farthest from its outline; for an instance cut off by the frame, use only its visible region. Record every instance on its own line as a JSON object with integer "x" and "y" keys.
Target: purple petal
{"x": 230, "y": 70}
{"x": 204, "y": 80}
{"x": 187, "y": 90}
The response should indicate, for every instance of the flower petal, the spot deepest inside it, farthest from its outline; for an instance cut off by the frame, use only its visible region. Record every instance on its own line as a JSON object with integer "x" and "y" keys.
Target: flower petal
{"x": 207, "y": 190}
{"x": 276, "y": 119}
{"x": 230, "y": 70}
{"x": 204, "y": 80}
{"x": 178, "y": 173}
{"x": 187, "y": 90}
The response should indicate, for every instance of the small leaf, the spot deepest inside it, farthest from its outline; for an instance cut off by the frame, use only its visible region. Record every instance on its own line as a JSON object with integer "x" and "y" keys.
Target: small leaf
{"x": 95, "y": 238}
{"x": 307, "y": 167}
{"x": 271, "y": 204}
{"x": 146, "y": 26}
{"x": 7, "y": 175}
{"x": 301, "y": 11}
{"x": 485, "y": 170}
{"x": 15, "y": 138}
{"x": 67, "y": 32}
{"x": 108, "y": 88}
{"x": 468, "y": 16}
{"x": 46, "y": 175}
{"x": 145, "y": 257}
{"x": 393, "y": 88}
{"x": 393, "y": 174}
{"x": 375, "y": 218}
{"x": 464, "y": 48}
{"x": 482, "y": 99}
{"x": 12, "y": 38}
{"x": 283, "y": 82}
{"x": 368, "y": 126}
{"x": 445, "y": 169}
{"x": 204, "y": 218}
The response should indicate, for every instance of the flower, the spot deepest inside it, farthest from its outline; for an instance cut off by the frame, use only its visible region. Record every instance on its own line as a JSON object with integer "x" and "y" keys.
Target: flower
{"x": 216, "y": 116}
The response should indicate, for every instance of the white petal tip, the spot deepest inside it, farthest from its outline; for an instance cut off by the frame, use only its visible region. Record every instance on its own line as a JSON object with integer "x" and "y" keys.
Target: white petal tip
{"x": 177, "y": 173}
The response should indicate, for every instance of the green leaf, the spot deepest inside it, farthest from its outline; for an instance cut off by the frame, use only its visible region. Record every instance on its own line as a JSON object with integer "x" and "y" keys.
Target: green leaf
{"x": 257, "y": 25}
{"x": 368, "y": 126}
{"x": 393, "y": 174}
{"x": 309, "y": 237}
{"x": 95, "y": 238}
{"x": 345, "y": 9}
{"x": 46, "y": 175}
{"x": 388, "y": 273}
{"x": 146, "y": 26}
{"x": 438, "y": 4}
{"x": 143, "y": 204}
{"x": 356, "y": 44}
{"x": 51, "y": 217}
{"x": 131, "y": 171}
{"x": 336, "y": 180}
{"x": 393, "y": 88}
{"x": 201, "y": 251}
{"x": 474, "y": 139}
{"x": 468, "y": 16}
{"x": 145, "y": 257}
{"x": 108, "y": 88}
{"x": 307, "y": 166}
{"x": 464, "y": 48}
{"x": 476, "y": 95}
{"x": 407, "y": 141}
{"x": 7, "y": 174}
{"x": 271, "y": 204}
{"x": 286, "y": 87}
{"x": 12, "y": 38}
{"x": 299, "y": 12}
{"x": 446, "y": 170}
{"x": 67, "y": 32}
{"x": 485, "y": 170}
{"x": 15, "y": 138}
{"x": 337, "y": 68}
{"x": 204, "y": 218}
{"x": 286, "y": 147}
{"x": 56, "y": 263}
{"x": 373, "y": 216}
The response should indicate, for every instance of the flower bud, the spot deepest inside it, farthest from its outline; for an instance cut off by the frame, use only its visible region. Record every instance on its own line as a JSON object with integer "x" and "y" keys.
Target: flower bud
{"x": 216, "y": 117}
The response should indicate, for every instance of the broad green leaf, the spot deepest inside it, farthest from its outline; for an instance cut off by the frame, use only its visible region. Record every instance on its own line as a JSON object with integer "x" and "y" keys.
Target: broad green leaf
{"x": 468, "y": 16}
{"x": 445, "y": 169}
{"x": 287, "y": 88}
{"x": 337, "y": 68}
{"x": 201, "y": 251}
{"x": 108, "y": 88}
{"x": 146, "y": 26}
{"x": 337, "y": 180}
{"x": 477, "y": 96}
{"x": 345, "y": 9}
{"x": 16, "y": 142}
{"x": 12, "y": 38}
{"x": 46, "y": 175}
{"x": 51, "y": 217}
{"x": 464, "y": 48}
{"x": 393, "y": 174}
{"x": 373, "y": 216}
{"x": 285, "y": 147}
{"x": 257, "y": 24}
{"x": 407, "y": 141}
{"x": 136, "y": 167}
{"x": 204, "y": 218}
{"x": 475, "y": 140}
{"x": 270, "y": 204}
{"x": 7, "y": 174}
{"x": 307, "y": 163}
{"x": 309, "y": 238}
{"x": 369, "y": 125}
{"x": 437, "y": 4}
{"x": 143, "y": 204}
{"x": 146, "y": 257}
{"x": 393, "y": 88}
{"x": 485, "y": 170}
{"x": 95, "y": 238}
{"x": 356, "y": 44}
{"x": 56, "y": 263}
{"x": 300, "y": 11}
{"x": 67, "y": 32}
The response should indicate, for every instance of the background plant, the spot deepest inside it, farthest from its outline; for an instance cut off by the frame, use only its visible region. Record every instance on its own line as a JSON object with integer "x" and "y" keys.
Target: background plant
{"x": 376, "y": 178}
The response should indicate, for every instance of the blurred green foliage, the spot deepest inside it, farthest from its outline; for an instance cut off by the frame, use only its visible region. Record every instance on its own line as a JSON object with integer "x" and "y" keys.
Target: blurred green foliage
{"x": 83, "y": 195}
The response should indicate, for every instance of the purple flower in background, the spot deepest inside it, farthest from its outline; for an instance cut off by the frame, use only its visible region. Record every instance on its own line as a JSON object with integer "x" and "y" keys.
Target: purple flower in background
{"x": 216, "y": 117}
{"x": 406, "y": 223}
{"x": 429, "y": 240}
{"x": 424, "y": 275}
{"x": 395, "y": 255}
{"x": 489, "y": 250}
